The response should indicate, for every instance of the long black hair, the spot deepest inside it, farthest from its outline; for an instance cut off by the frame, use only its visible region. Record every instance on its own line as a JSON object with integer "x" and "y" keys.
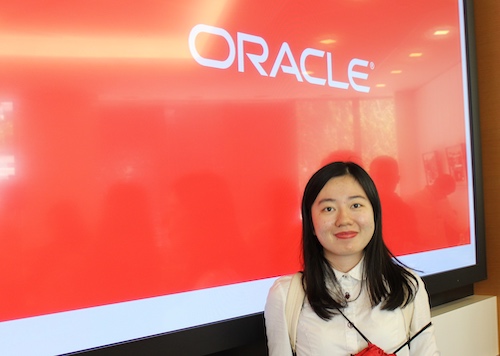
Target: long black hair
{"x": 388, "y": 280}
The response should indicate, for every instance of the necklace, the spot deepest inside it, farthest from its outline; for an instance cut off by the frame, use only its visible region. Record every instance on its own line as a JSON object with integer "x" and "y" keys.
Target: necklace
{"x": 347, "y": 295}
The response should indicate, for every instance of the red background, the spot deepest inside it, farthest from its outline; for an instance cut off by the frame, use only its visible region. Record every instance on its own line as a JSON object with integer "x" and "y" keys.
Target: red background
{"x": 138, "y": 172}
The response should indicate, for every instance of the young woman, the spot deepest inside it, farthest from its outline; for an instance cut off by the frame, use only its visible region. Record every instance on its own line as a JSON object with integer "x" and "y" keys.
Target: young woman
{"x": 357, "y": 293}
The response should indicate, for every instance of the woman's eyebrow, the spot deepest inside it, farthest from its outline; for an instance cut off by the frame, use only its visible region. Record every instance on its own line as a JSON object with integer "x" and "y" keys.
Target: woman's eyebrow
{"x": 327, "y": 200}
{"x": 332, "y": 200}
{"x": 358, "y": 196}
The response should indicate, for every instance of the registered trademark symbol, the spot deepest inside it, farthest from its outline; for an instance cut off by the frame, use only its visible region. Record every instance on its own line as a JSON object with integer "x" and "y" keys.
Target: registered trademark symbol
{"x": 372, "y": 65}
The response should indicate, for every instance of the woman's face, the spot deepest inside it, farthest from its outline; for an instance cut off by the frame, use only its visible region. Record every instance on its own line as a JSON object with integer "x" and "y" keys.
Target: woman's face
{"x": 343, "y": 221}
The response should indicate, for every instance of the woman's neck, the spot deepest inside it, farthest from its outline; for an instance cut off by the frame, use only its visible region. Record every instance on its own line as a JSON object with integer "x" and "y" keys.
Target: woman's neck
{"x": 344, "y": 263}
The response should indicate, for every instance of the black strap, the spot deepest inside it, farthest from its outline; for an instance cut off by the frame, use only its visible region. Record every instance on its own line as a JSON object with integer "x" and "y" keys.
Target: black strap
{"x": 413, "y": 337}
{"x": 354, "y": 326}
{"x": 369, "y": 342}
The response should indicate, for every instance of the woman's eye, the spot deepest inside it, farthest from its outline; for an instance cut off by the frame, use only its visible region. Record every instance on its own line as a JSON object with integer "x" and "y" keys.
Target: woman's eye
{"x": 356, "y": 205}
{"x": 328, "y": 208}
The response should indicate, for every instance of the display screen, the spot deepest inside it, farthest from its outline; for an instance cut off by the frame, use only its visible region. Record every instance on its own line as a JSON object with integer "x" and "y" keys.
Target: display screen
{"x": 153, "y": 154}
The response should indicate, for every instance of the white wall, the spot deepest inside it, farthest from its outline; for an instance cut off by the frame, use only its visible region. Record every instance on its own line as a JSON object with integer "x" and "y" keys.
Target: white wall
{"x": 467, "y": 327}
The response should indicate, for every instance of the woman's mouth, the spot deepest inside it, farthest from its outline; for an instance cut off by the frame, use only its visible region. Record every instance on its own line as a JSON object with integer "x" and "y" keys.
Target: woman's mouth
{"x": 346, "y": 234}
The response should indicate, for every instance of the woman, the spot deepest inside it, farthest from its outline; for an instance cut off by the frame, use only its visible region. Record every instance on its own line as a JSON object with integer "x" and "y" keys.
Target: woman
{"x": 356, "y": 291}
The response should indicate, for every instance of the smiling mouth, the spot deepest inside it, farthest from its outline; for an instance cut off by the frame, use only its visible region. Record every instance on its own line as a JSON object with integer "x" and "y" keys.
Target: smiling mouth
{"x": 346, "y": 235}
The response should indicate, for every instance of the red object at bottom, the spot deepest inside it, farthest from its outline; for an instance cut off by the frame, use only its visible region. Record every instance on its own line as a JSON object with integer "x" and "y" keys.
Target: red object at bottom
{"x": 372, "y": 350}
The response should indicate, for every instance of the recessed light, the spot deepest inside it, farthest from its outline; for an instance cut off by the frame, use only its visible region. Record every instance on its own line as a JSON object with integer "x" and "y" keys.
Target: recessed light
{"x": 441, "y": 32}
{"x": 416, "y": 54}
{"x": 328, "y": 41}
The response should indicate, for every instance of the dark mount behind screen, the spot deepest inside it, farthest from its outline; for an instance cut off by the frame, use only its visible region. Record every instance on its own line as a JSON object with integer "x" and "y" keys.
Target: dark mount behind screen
{"x": 246, "y": 335}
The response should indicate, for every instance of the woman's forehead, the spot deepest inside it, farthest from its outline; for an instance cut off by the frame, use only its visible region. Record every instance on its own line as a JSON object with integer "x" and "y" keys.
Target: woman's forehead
{"x": 343, "y": 186}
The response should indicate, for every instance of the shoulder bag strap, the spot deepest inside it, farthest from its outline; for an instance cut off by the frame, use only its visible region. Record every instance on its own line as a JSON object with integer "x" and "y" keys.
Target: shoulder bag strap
{"x": 408, "y": 317}
{"x": 294, "y": 301}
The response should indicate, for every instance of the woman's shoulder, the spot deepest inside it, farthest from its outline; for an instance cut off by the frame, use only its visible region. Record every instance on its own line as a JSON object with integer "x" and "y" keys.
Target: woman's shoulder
{"x": 281, "y": 285}
{"x": 282, "y": 282}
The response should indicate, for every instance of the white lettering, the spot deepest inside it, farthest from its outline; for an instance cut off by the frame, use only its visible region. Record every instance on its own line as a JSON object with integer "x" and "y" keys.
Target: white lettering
{"x": 221, "y": 64}
{"x": 331, "y": 82}
{"x": 306, "y": 53}
{"x": 352, "y": 74}
{"x": 256, "y": 59}
{"x": 291, "y": 69}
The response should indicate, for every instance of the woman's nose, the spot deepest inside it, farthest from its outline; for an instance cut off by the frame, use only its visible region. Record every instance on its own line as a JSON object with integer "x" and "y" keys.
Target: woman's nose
{"x": 343, "y": 217}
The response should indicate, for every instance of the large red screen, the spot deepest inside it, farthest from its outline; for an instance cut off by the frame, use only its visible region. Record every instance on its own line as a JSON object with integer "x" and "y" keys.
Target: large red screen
{"x": 156, "y": 147}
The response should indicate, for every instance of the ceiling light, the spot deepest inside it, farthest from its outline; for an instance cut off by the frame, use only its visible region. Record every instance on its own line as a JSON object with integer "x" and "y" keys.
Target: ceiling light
{"x": 396, "y": 71}
{"x": 328, "y": 41}
{"x": 416, "y": 54}
{"x": 441, "y": 32}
